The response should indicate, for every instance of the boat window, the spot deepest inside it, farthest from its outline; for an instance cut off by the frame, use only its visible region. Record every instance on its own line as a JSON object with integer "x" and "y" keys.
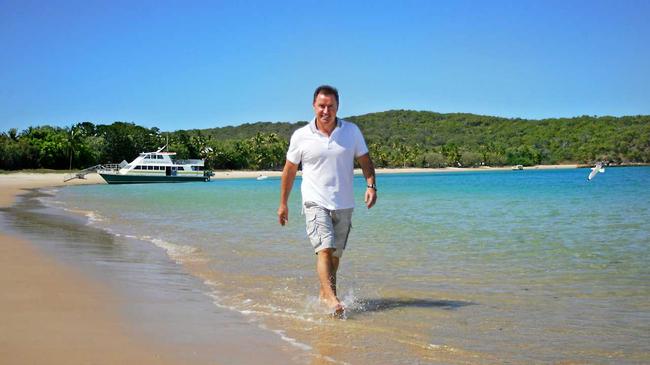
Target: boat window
{"x": 159, "y": 157}
{"x": 149, "y": 167}
{"x": 146, "y": 157}
{"x": 181, "y": 168}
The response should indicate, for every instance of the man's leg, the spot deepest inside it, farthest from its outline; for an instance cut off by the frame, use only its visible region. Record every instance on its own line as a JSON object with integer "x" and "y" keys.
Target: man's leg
{"x": 326, "y": 266}
{"x": 335, "y": 268}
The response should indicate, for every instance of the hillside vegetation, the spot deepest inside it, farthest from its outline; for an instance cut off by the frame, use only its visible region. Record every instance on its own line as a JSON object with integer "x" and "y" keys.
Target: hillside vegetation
{"x": 396, "y": 138}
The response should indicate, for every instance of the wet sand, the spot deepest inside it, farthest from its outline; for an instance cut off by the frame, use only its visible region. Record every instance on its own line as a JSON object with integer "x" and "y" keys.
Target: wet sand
{"x": 49, "y": 312}
{"x": 73, "y": 294}
{"x": 13, "y": 184}
{"x": 51, "y": 315}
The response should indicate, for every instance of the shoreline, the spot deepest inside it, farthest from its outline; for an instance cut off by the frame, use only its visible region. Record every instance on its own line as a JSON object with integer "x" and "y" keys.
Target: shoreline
{"x": 56, "y": 310}
{"x": 17, "y": 183}
{"x": 52, "y": 313}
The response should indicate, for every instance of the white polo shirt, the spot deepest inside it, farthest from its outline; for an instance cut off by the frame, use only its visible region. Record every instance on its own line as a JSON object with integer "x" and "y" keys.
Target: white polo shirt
{"x": 327, "y": 163}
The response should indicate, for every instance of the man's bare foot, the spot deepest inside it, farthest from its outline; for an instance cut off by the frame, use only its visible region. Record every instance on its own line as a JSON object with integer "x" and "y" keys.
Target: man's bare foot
{"x": 339, "y": 311}
{"x": 333, "y": 305}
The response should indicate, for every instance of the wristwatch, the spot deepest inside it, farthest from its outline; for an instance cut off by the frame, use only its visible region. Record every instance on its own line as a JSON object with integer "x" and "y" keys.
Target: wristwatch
{"x": 372, "y": 186}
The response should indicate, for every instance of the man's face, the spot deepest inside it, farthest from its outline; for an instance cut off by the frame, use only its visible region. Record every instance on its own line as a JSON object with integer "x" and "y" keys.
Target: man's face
{"x": 325, "y": 108}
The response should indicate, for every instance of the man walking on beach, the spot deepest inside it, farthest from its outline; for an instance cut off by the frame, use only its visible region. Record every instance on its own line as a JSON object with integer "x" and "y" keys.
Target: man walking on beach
{"x": 327, "y": 148}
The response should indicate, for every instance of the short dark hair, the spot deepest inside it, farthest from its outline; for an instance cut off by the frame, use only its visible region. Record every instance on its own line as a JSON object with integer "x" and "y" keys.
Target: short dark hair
{"x": 327, "y": 90}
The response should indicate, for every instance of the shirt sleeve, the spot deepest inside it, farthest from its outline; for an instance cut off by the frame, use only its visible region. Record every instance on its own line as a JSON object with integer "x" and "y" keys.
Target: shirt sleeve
{"x": 294, "y": 155}
{"x": 360, "y": 148}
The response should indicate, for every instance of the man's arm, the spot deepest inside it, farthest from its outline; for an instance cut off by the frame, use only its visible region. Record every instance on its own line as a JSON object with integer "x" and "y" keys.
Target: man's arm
{"x": 369, "y": 173}
{"x": 288, "y": 177}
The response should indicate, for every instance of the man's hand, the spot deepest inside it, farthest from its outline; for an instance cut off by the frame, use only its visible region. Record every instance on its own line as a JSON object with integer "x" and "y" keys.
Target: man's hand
{"x": 369, "y": 173}
{"x": 371, "y": 197}
{"x": 288, "y": 176}
{"x": 283, "y": 214}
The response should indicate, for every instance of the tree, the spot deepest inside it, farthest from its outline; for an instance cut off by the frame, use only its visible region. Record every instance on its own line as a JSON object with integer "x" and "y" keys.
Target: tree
{"x": 434, "y": 160}
{"x": 452, "y": 154}
{"x": 470, "y": 159}
{"x": 74, "y": 141}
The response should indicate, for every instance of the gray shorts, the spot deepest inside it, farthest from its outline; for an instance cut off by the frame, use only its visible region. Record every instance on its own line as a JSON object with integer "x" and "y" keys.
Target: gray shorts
{"x": 328, "y": 228}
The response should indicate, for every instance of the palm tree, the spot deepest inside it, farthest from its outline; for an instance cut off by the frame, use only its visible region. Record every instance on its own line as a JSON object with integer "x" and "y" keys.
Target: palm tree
{"x": 74, "y": 140}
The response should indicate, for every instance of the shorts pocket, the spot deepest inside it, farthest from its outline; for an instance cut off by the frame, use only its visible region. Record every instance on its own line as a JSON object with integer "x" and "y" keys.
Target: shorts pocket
{"x": 312, "y": 228}
{"x": 311, "y": 222}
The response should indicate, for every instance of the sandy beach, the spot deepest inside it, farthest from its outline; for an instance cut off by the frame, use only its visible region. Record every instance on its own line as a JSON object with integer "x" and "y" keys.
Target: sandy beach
{"x": 50, "y": 313}
{"x": 58, "y": 314}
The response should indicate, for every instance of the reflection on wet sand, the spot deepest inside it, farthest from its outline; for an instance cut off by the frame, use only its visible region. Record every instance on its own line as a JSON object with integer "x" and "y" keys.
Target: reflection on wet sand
{"x": 31, "y": 217}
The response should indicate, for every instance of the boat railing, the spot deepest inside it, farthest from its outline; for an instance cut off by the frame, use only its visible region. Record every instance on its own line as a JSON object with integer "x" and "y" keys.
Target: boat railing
{"x": 108, "y": 167}
{"x": 189, "y": 162}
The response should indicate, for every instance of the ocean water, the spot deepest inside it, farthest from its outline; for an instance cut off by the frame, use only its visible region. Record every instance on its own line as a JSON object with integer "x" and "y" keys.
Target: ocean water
{"x": 534, "y": 266}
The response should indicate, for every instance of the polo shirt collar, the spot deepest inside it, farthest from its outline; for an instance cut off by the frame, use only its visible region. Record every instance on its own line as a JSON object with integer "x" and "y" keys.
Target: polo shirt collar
{"x": 312, "y": 124}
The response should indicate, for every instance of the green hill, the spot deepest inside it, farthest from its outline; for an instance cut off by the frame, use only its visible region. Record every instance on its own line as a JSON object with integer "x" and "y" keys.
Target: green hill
{"x": 396, "y": 138}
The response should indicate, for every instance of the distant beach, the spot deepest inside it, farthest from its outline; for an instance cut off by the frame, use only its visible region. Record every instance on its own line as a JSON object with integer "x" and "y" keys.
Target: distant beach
{"x": 239, "y": 174}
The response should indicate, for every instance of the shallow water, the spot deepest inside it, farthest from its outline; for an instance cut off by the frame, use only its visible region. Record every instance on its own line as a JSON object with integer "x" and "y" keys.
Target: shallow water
{"x": 454, "y": 268}
{"x": 162, "y": 305}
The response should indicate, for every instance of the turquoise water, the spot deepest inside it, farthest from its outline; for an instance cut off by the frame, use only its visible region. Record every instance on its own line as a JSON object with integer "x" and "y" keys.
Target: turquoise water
{"x": 534, "y": 266}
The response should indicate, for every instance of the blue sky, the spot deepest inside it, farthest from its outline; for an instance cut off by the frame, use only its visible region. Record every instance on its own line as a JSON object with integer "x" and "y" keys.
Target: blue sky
{"x": 195, "y": 64}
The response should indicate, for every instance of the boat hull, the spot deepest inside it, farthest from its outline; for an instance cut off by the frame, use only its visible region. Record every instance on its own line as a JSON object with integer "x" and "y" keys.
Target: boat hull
{"x": 149, "y": 179}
